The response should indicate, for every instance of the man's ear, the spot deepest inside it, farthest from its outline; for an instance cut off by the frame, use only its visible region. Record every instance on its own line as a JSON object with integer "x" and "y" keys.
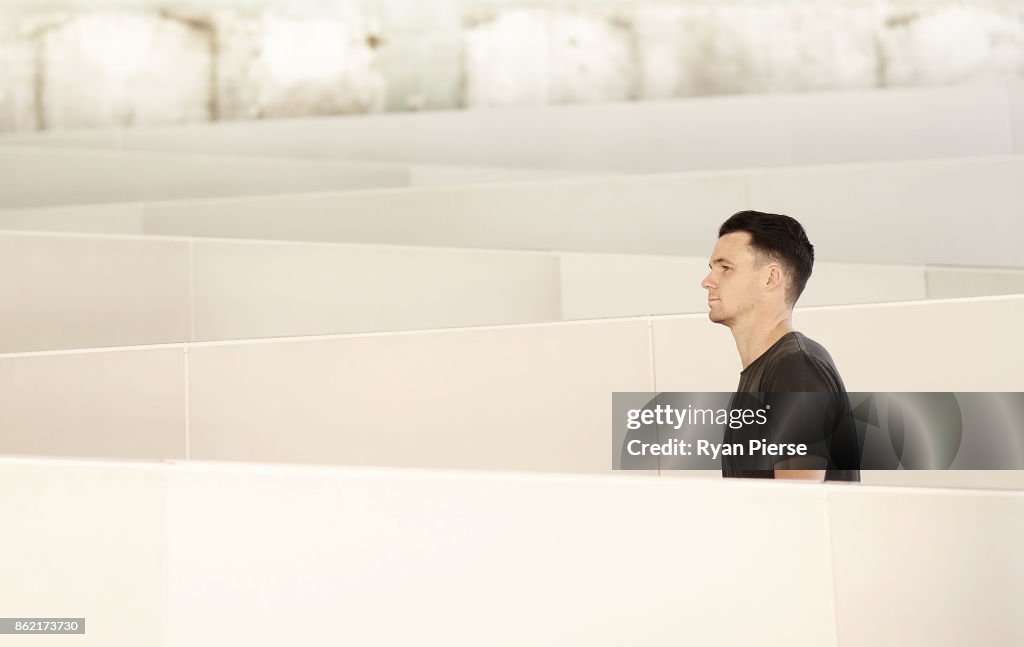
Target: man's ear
{"x": 775, "y": 277}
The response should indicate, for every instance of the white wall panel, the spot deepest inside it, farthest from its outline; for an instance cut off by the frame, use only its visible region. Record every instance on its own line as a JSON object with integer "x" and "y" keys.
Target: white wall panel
{"x": 429, "y": 558}
{"x": 622, "y": 285}
{"x": 251, "y": 290}
{"x": 110, "y": 404}
{"x": 85, "y": 540}
{"x": 693, "y": 354}
{"x": 1016, "y": 91}
{"x": 952, "y": 282}
{"x": 954, "y": 212}
{"x": 901, "y": 124}
{"x": 115, "y": 218}
{"x": 700, "y": 133}
{"x": 674, "y": 135}
{"x": 616, "y": 285}
{"x": 967, "y": 479}
{"x": 656, "y": 214}
{"x": 846, "y": 283}
{"x": 517, "y": 397}
{"x": 438, "y": 175}
{"x": 533, "y": 398}
{"x": 197, "y": 554}
{"x": 928, "y": 568}
{"x": 95, "y": 138}
{"x": 213, "y": 553}
{"x": 84, "y": 291}
{"x": 61, "y": 291}
{"x": 37, "y": 177}
{"x": 912, "y": 213}
{"x": 893, "y": 213}
{"x": 707, "y": 133}
{"x": 955, "y": 345}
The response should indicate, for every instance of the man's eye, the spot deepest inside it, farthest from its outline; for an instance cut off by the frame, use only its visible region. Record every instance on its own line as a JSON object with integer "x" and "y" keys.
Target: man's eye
{"x": 726, "y": 269}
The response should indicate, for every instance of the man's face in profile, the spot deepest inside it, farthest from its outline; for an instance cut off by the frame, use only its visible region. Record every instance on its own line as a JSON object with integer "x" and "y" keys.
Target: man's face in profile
{"x": 734, "y": 280}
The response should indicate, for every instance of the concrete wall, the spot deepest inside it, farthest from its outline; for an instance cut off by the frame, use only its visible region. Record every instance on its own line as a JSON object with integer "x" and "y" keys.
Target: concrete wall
{"x": 130, "y": 62}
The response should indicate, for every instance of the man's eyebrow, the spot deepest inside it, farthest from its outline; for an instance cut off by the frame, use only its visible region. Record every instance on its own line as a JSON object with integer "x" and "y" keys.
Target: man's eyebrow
{"x": 720, "y": 259}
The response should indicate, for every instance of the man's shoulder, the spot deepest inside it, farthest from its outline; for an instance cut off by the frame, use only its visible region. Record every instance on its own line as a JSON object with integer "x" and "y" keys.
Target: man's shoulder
{"x": 800, "y": 363}
{"x": 798, "y": 346}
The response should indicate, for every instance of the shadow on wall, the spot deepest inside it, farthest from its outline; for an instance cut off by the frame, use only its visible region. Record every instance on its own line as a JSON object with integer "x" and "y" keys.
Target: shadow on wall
{"x": 100, "y": 68}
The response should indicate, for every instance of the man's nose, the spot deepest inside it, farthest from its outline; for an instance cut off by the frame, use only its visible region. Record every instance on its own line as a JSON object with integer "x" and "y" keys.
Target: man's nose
{"x": 706, "y": 283}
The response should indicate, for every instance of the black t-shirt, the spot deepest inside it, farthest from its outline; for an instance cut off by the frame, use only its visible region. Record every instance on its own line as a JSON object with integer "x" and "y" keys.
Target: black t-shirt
{"x": 799, "y": 383}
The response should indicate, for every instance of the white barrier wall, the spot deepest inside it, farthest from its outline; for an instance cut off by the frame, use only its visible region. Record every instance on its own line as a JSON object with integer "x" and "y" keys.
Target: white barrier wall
{"x": 441, "y": 175}
{"x": 919, "y": 567}
{"x": 273, "y": 290}
{"x": 85, "y": 291}
{"x": 115, "y": 403}
{"x": 624, "y": 285}
{"x": 455, "y": 559}
{"x": 951, "y": 212}
{"x": 1016, "y": 89}
{"x": 518, "y": 397}
{"x": 111, "y": 218}
{"x": 86, "y": 540}
{"x": 954, "y": 282}
{"x": 962, "y": 479}
{"x": 529, "y": 397}
{"x": 703, "y": 133}
{"x": 232, "y": 554}
{"x": 211, "y": 554}
{"x": 944, "y": 212}
{"x": 75, "y": 291}
{"x": 954, "y": 345}
{"x": 533, "y": 397}
{"x": 36, "y": 178}
{"x": 947, "y": 212}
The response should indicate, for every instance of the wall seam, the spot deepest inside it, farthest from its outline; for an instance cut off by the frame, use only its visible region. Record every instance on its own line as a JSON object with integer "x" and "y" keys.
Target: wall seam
{"x": 1008, "y": 97}
{"x": 188, "y": 409}
{"x": 191, "y": 338}
{"x": 192, "y": 290}
{"x": 654, "y": 374}
{"x": 832, "y": 568}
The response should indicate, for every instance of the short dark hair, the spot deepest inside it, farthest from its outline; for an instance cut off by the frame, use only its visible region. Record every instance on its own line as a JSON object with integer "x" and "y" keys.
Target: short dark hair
{"x": 779, "y": 238}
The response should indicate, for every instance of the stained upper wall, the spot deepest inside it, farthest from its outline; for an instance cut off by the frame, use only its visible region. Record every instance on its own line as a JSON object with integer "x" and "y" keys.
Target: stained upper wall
{"x": 79, "y": 64}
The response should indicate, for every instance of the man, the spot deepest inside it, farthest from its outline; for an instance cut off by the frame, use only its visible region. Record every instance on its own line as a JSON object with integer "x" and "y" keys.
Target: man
{"x": 759, "y": 268}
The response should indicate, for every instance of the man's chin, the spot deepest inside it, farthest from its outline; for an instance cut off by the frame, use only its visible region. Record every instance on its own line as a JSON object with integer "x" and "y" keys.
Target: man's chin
{"x": 717, "y": 318}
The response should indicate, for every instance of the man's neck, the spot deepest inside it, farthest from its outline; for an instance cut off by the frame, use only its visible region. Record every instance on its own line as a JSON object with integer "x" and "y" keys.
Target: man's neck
{"x": 754, "y": 339}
